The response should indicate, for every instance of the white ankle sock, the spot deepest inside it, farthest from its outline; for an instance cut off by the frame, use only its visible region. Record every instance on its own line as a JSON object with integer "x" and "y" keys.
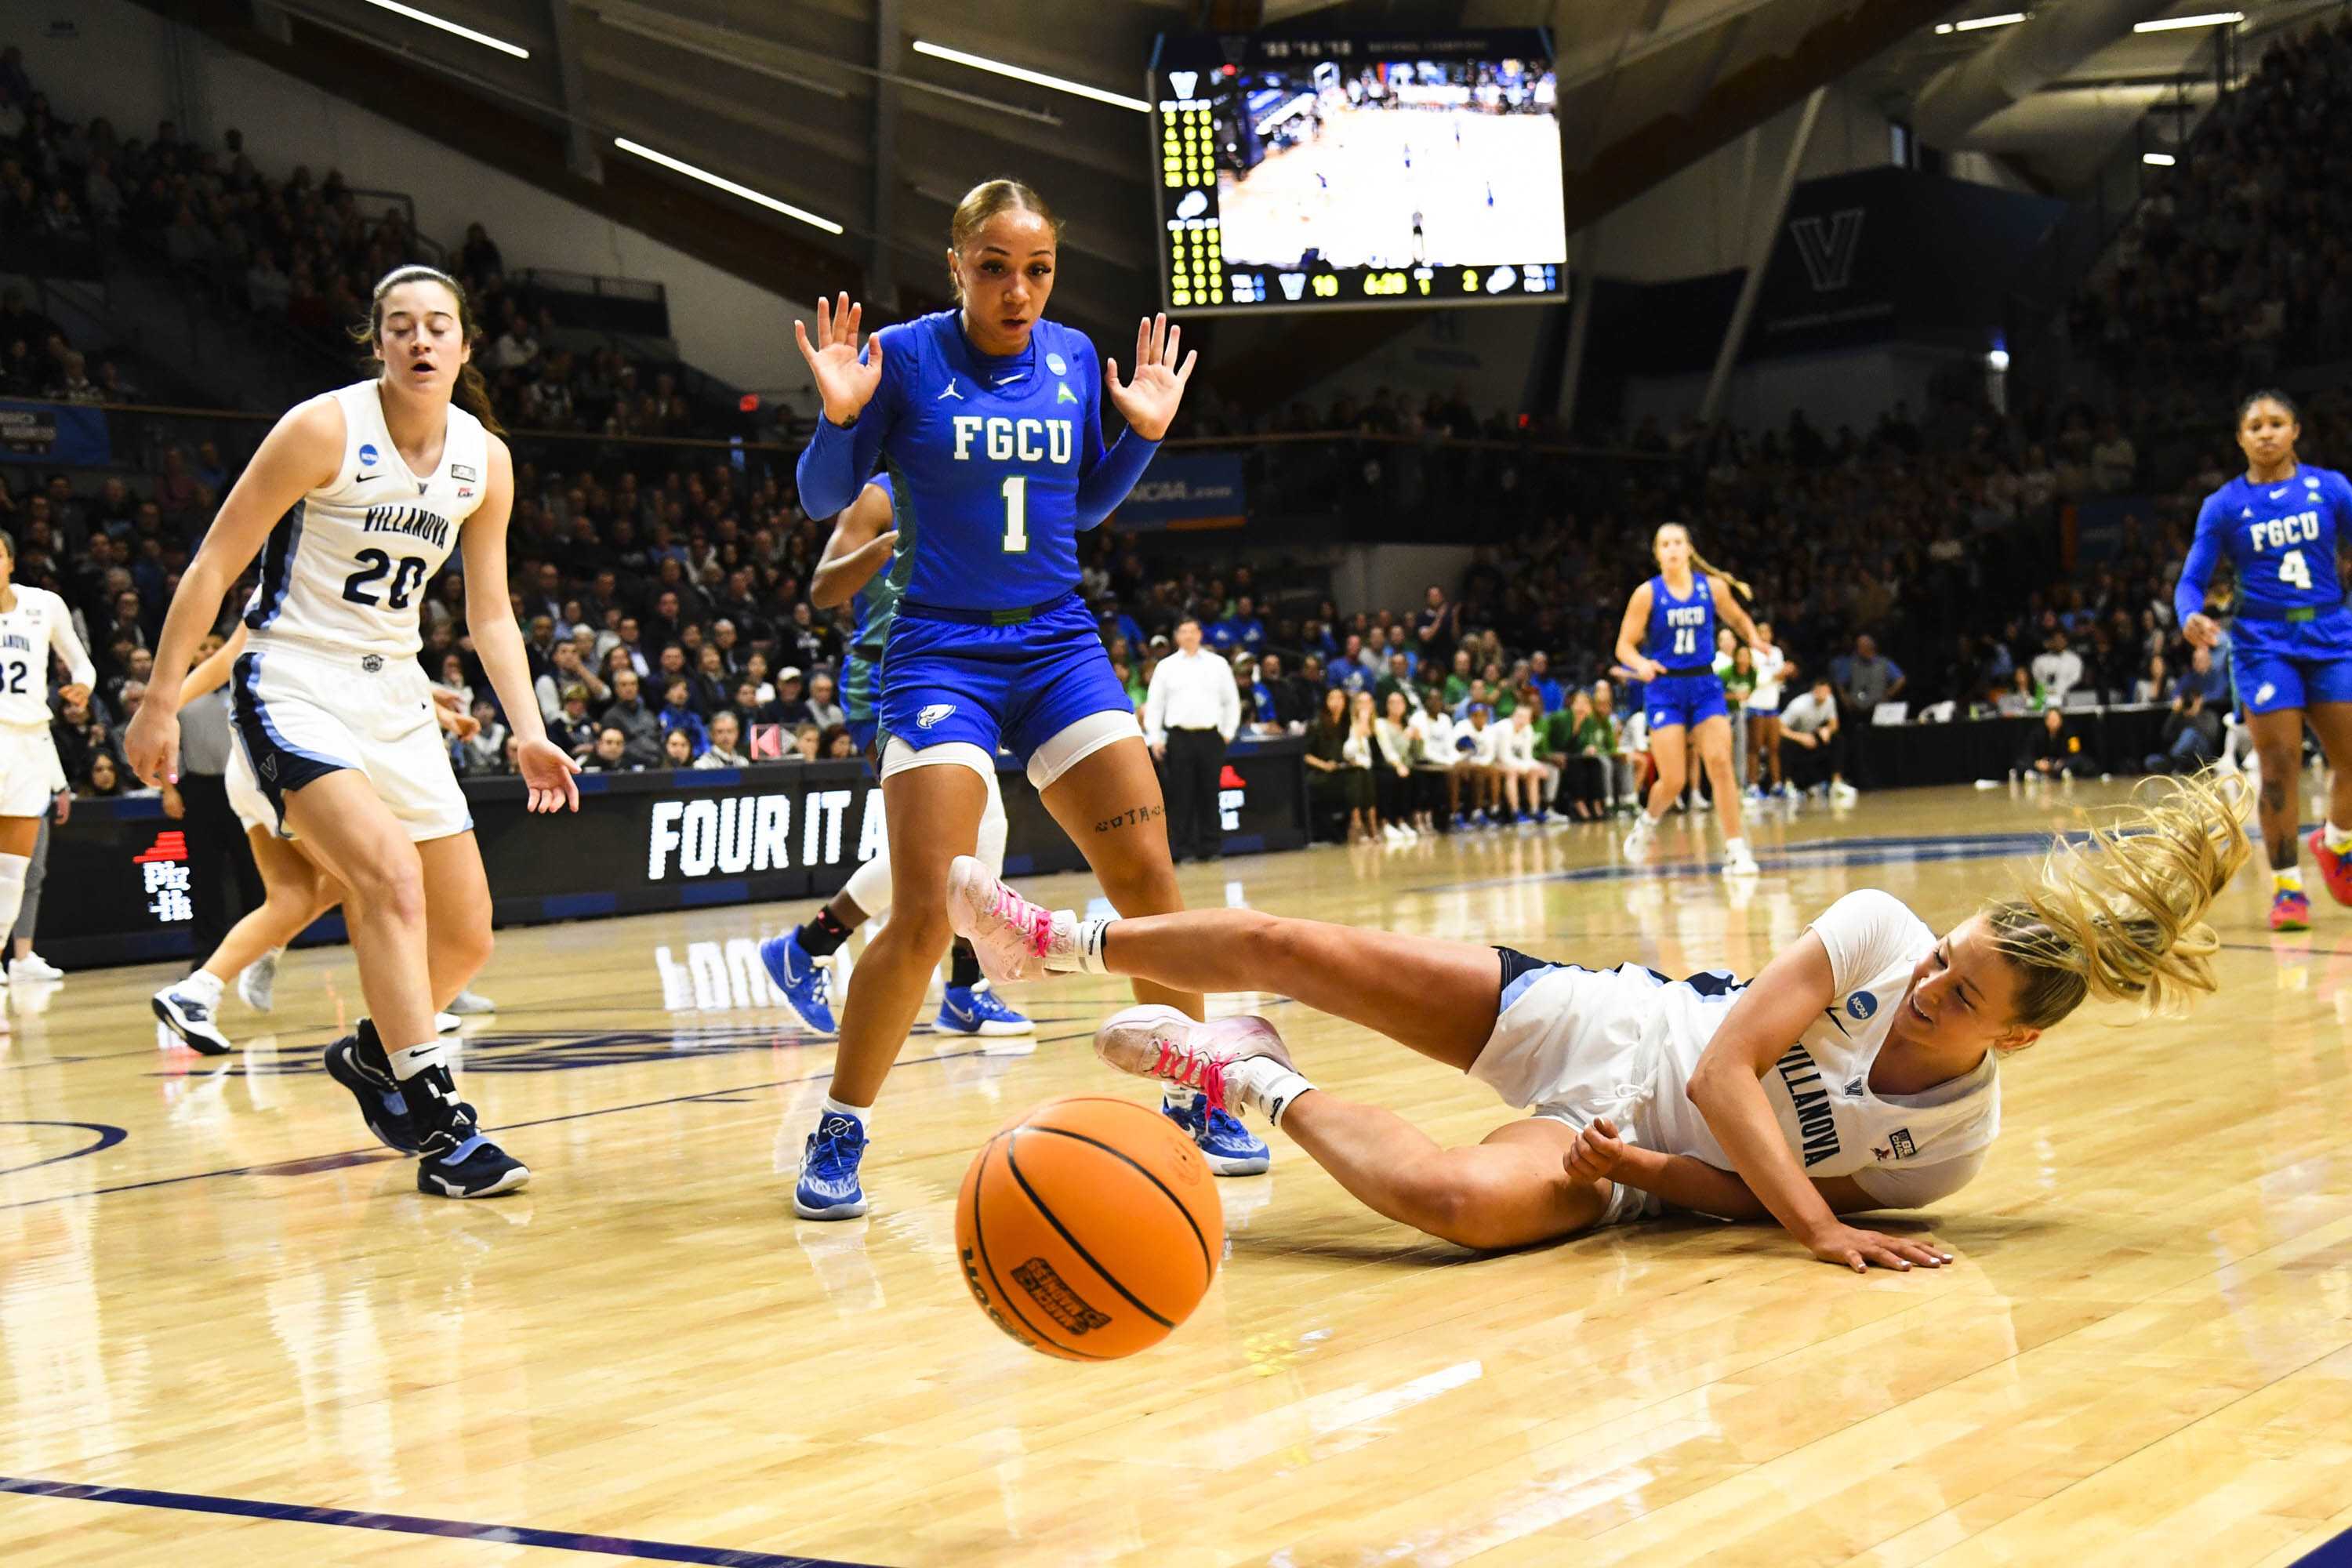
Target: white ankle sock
{"x": 205, "y": 983}
{"x": 1086, "y": 949}
{"x": 407, "y": 1064}
{"x": 861, "y": 1114}
{"x": 1734, "y": 848}
{"x": 1265, "y": 1086}
{"x": 2336, "y": 838}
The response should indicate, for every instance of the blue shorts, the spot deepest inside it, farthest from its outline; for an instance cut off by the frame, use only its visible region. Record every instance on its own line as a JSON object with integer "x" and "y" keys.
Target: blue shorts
{"x": 1018, "y": 685}
{"x": 1688, "y": 701}
{"x": 2280, "y": 665}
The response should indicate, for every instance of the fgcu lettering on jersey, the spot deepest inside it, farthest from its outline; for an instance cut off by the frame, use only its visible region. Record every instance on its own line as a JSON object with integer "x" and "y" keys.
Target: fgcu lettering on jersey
{"x": 1028, "y": 440}
{"x": 1682, "y": 630}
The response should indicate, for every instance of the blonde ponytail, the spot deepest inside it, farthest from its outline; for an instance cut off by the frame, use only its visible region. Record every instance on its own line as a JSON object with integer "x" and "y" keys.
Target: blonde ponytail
{"x": 1712, "y": 570}
{"x": 2120, "y": 916}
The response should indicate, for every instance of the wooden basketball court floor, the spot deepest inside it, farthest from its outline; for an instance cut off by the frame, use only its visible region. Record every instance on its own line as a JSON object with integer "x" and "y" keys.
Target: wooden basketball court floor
{"x": 231, "y": 1331}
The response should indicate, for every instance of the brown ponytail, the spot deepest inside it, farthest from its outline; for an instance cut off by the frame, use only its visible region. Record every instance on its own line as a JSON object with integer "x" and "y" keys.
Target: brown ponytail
{"x": 473, "y": 393}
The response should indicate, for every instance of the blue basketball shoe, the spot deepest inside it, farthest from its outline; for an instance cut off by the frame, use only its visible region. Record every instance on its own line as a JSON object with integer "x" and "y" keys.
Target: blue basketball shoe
{"x": 801, "y": 978}
{"x": 457, "y": 1160}
{"x": 979, "y": 1010}
{"x": 1229, "y": 1148}
{"x": 358, "y": 1062}
{"x": 828, "y": 1186}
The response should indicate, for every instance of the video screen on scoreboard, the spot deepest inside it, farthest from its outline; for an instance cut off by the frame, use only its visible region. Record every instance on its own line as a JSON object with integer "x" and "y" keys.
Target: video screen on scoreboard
{"x": 1365, "y": 170}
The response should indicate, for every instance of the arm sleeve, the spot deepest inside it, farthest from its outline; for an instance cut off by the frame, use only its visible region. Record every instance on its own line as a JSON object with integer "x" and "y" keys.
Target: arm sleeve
{"x": 833, "y": 465}
{"x": 80, "y": 671}
{"x": 1917, "y": 1186}
{"x": 2189, "y": 594}
{"x": 1105, "y": 477}
{"x": 1864, "y": 931}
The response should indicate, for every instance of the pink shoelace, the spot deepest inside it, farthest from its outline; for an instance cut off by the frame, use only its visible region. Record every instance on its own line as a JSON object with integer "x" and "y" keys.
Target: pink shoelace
{"x": 1034, "y": 921}
{"x": 1191, "y": 1069}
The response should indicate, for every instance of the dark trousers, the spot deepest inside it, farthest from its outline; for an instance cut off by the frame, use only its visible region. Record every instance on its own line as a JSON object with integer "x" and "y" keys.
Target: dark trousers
{"x": 1195, "y": 758}
{"x": 1803, "y": 767}
{"x": 218, "y": 866}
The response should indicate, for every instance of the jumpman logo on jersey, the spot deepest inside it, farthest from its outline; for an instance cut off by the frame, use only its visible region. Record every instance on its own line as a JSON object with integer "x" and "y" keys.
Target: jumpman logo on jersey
{"x": 950, "y": 392}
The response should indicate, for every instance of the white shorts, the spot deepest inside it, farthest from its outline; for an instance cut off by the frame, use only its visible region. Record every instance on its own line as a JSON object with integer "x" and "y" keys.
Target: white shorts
{"x": 301, "y": 714}
{"x": 30, "y": 774}
{"x": 1574, "y": 1045}
{"x": 245, "y": 797}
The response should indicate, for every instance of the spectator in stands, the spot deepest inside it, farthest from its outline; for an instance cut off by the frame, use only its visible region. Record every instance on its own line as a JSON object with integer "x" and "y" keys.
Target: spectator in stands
{"x": 571, "y": 727}
{"x": 103, "y": 781}
{"x": 677, "y": 715}
{"x": 1396, "y": 790}
{"x": 2205, "y": 679}
{"x": 1327, "y": 786}
{"x": 1814, "y": 743}
{"x": 2055, "y": 752}
{"x": 678, "y": 749}
{"x": 610, "y": 752}
{"x": 2192, "y": 737}
{"x": 1457, "y": 683}
{"x": 825, "y": 712}
{"x": 2114, "y": 461}
{"x": 1437, "y": 627}
{"x": 2057, "y": 670}
{"x": 484, "y": 752}
{"x": 2151, "y": 686}
{"x": 792, "y": 707}
{"x": 638, "y": 726}
{"x": 1603, "y": 736}
{"x": 726, "y": 743}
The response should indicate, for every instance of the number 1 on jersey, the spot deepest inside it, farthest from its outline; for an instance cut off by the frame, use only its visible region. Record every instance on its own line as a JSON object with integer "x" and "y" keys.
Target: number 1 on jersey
{"x": 2294, "y": 569}
{"x": 1016, "y": 512}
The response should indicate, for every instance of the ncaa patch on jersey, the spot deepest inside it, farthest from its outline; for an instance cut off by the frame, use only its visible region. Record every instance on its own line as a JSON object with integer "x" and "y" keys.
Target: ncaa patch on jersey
{"x": 367, "y": 454}
{"x": 464, "y": 473}
{"x": 1061, "y": 366}
{"x": 933, "y": 715}
{"x": 1860, "y": 1005}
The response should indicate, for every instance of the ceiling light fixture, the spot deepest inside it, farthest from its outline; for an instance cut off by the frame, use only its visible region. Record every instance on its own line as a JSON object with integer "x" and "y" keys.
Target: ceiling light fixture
{"x": 2205, "y": 19}
{"x": 1974, "y": 24}
{"x": 729, "y": 186}
{"x": 430, "y": 20}
{"x": 1036, "y": 78}
{"x": 2161, "y": 160}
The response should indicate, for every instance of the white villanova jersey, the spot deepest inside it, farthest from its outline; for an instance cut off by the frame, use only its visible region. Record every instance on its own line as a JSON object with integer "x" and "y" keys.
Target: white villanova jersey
{"x": 1820, "y": 1089}
{"x": 39, "y": 622}
{"x": 345, "y": 569}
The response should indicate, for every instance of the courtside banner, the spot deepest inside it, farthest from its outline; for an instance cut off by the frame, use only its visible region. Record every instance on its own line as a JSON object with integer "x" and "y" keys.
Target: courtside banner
{"x": 1189, "y": 489}
{"x": 62, "y": 433}
{"x": 641, "y": 843}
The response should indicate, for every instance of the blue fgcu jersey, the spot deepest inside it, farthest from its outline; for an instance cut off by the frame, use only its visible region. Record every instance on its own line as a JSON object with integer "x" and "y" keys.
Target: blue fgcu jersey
{"x": 2291, "y": 643}
{"x": 1682, "y": 631}
{"x": 995, "y": 463}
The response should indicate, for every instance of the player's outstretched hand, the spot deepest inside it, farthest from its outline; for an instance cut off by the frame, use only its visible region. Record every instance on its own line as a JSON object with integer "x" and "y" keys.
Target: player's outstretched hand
{"x": 547, "y": 772}
{"x": 845, "y": 382}
{"x": 1597, "y": 1152}
{"x": 152, "y": 746}
{"x": 1860, "y": 1250}
{"x": 1148, "y": 403}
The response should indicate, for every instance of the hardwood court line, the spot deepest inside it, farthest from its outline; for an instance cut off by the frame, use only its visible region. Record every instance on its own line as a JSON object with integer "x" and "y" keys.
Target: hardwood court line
{"x": 413, "y": 1524}
{"x": 2336, "y": 1553}
{"x": 502, "y": 1127}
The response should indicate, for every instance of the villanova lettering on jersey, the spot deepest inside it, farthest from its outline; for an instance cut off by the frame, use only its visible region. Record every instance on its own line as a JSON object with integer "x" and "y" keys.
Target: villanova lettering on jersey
{"x": 414, "y": 520}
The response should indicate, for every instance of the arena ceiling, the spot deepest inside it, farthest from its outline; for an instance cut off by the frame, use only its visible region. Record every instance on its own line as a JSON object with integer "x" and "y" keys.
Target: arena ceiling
{"x": 831, "y": 106}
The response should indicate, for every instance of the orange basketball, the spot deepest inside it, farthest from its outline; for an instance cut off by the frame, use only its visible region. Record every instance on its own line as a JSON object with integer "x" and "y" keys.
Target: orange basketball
{"x": 1089, "y": 1228}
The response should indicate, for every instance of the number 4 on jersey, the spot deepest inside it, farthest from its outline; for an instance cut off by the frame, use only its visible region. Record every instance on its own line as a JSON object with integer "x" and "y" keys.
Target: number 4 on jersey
{"x": 2294, "y": 569}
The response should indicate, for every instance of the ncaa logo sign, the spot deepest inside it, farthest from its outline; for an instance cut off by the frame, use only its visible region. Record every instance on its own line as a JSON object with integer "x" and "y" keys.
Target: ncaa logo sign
{"x": 368, "y": 456}
{"x": 1862, "y": 1004}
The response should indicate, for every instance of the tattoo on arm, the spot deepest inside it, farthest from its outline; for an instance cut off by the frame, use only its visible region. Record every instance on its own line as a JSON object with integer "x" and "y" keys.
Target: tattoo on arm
{"x": 1136, "y": 817}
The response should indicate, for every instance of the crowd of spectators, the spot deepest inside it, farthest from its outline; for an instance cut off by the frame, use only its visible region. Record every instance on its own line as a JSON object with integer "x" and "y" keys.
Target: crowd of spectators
{"x": 666, "y": 618}
{"x": 2237, "y": 263}
{"x": 302, "y": 251}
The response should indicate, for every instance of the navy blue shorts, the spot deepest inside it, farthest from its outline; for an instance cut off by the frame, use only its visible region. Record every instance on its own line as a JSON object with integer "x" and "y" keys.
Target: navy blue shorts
{"x": 1018, "y": 686}
{"x": 1685, "y": 700}
{"x": 2280, "y": 665}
